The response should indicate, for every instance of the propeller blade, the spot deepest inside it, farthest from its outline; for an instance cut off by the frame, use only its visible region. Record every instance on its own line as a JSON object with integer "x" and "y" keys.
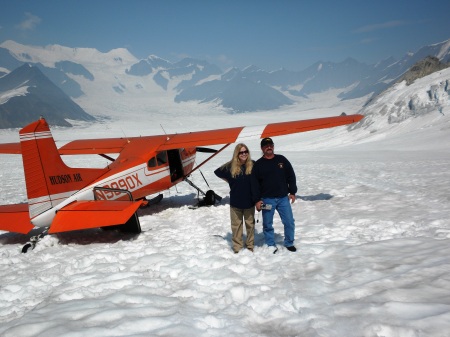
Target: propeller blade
{"x": 206, "y": 150}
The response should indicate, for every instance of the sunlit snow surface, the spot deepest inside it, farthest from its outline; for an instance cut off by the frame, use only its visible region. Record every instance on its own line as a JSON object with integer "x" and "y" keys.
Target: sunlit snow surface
{"x": 373, "y": 239}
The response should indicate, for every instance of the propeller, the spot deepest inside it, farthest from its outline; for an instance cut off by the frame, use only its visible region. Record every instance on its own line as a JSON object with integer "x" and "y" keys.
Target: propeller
{"x": 206, "y": 150}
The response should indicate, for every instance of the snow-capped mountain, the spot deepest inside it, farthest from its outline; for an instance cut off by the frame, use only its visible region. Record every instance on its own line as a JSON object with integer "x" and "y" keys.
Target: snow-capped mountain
{"x": 27, "y": 90}
{"x": 402, "y": 101}
{"x": 117, "y": 83}
{"x": 387, "y": 72}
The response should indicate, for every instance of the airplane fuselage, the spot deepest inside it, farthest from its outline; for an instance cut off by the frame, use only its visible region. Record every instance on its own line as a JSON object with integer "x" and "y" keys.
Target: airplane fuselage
{"x": 141, "y": 179}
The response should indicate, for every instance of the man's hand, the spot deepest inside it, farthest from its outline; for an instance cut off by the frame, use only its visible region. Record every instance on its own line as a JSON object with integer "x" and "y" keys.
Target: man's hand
{"x": 292, "y": 197}
{"x": 258, "y": 205}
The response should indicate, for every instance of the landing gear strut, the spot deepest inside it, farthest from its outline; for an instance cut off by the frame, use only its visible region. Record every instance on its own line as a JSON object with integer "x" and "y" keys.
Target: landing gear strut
{"x": 210, "y": 196}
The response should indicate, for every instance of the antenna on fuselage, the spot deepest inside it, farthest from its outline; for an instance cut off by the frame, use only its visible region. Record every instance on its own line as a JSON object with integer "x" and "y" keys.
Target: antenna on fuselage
{"x": 164, "y": 131}
{"x": 124, "y": 134}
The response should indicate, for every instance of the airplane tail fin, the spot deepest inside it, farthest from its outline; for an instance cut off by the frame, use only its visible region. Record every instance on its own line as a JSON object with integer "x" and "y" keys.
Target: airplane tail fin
{"x": 48, "y": 179}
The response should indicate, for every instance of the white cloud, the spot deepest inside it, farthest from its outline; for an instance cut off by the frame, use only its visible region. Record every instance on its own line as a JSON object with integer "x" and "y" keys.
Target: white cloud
{"x": 29, "y": 23}
{"x": 369, "y": 40}
{"x": 379, "y": 26}
{"x": 224, "y": 59}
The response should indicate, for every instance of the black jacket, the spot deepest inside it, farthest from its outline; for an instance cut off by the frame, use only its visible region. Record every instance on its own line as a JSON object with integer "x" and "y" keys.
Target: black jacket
{"x": 273, "y": 178}
{"x": 240, "y": 187}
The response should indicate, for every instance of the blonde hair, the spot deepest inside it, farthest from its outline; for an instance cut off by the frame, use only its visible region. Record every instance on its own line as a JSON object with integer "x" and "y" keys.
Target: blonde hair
{"x": 234, "y": 165}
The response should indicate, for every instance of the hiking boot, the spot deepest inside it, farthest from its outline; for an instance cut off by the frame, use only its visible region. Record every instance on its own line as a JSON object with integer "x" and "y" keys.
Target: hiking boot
{"x": 291, "y": 249}
{"x": 250, "y": 249}
{"x": 272, "y": 249}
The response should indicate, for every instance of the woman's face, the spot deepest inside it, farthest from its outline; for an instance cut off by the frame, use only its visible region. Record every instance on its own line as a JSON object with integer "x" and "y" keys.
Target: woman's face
{"x": 243, "y": 154}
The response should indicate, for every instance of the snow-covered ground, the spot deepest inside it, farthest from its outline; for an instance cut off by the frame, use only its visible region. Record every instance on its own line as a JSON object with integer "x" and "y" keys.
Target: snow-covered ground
{"x": 373, "y": 239}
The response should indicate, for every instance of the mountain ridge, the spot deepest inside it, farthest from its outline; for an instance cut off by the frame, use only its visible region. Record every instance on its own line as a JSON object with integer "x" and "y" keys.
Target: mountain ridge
{"x": 37, "y": 96}
{"x": 102, "y": 82}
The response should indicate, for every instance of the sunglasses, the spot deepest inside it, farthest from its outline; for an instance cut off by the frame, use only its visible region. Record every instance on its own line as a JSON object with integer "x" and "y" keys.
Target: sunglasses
{"x": 243, "y": 152}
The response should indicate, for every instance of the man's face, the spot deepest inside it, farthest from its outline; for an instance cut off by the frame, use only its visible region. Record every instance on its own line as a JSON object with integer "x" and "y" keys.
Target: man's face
{"x": 267, "y": 149}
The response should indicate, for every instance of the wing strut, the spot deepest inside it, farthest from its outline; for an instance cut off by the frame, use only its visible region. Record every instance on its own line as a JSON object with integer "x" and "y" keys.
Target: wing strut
{"x": 208, "y": 159}
{"x": 107, "y": 157}
{"x": 210, "y": 195}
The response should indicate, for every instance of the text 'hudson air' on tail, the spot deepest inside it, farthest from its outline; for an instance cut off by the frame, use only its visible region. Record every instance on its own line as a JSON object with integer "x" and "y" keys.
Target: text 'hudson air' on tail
{"x": 48, "y": 179}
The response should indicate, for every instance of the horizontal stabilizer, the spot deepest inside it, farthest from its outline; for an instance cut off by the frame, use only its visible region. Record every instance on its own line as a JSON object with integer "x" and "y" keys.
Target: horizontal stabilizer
{"x": 15, "y": 218}
{"x": 93, "y": 214}
{"x": 94, "y": 146}
{"x": 10, "y": 148}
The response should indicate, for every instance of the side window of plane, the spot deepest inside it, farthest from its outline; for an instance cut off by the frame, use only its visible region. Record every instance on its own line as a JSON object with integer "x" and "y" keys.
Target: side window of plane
{"x": 161, "y": 158}
{"x": 152, "y": 162}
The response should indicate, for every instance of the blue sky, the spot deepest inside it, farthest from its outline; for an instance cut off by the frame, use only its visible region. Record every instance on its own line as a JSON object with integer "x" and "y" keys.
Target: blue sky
{"x": 269, "y": 34}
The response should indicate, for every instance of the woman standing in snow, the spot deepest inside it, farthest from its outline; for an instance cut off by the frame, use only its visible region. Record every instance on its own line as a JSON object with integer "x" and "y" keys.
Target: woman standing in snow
{"x": 237, "y": 173}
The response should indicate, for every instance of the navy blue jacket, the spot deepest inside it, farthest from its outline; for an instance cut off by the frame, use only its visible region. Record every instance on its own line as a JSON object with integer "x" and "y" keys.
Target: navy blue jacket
{"x": 240, "y": 187}
{"x": 273, "y": 178}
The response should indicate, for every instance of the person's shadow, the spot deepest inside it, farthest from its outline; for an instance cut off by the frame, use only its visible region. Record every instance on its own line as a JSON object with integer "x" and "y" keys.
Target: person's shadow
{"x": 317, "y": 197}
{"x": 259, "y": 238}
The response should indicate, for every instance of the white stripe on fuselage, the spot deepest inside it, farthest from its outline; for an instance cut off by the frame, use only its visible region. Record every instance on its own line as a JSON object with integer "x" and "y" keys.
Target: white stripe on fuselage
{"x": 41, "y": 204}
{"x": 146, "y": 176}
{"x": 46, "y": 218}
{"x": 188, "y": 161}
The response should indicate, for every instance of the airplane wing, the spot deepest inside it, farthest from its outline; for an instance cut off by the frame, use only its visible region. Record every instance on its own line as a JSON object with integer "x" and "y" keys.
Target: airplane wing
{"x": 285, "y": 128}
{"x": 200, "y": 138}
{"x": 94, "y": 146}
{"x": 15, "y": 218}
{"x": 242, "y": 134}
{"x": 84, "y": 214}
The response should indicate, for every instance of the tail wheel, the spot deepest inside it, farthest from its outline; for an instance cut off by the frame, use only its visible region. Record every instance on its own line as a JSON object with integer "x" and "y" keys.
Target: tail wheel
{"x": 27, "y": 247}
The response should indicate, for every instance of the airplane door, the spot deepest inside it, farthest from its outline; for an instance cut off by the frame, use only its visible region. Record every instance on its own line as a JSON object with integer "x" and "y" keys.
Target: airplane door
{"x": 175, "y": 164}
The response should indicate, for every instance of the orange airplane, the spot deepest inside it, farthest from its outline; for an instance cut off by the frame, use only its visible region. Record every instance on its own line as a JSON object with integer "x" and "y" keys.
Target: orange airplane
{"x": 63, "y": 198}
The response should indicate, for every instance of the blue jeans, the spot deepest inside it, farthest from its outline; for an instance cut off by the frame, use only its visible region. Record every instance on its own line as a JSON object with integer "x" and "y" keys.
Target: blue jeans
{"x": 284, "y": 209}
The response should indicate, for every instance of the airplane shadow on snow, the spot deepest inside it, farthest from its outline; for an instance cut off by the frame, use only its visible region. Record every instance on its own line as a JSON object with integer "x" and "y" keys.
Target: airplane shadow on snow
{"x": 172, "y": 201}
{"x": 98, "y": 235}
{"x": 79, "y": 237}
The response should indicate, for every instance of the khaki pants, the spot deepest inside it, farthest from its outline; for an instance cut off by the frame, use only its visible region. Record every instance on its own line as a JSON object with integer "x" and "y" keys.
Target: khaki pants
{"x": 237, "y": 216}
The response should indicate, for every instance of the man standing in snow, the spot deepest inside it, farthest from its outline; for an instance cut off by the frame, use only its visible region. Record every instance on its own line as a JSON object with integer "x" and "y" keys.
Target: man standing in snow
{"x": 274, "y": 187}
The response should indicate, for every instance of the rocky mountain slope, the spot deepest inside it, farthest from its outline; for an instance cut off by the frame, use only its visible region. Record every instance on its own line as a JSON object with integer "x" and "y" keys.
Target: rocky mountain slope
{"x": 26, "y": 94}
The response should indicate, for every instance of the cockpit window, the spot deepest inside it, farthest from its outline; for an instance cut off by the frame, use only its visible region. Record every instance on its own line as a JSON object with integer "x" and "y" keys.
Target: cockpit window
{"x": 152, "y": 162}
{"x": 160, "y": 159}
